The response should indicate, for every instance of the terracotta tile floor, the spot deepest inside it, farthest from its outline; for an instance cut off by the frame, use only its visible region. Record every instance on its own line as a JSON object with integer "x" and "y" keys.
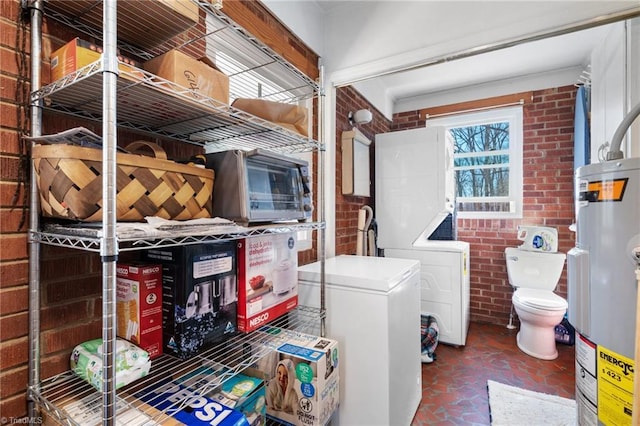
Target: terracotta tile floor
{"x": 455, "y": 384}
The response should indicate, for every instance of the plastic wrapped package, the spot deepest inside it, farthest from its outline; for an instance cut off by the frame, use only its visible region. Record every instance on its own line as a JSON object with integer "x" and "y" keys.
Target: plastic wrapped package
{"x": 132, "y": 362}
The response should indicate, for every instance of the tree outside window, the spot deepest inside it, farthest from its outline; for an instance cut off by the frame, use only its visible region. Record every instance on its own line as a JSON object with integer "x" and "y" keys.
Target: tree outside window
{"x": 487, "y": 161}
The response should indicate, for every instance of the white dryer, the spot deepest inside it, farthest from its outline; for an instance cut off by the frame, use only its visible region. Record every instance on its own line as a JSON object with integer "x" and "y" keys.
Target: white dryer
{"x": 415, "y": 193}
{"x": 444, "y": 285}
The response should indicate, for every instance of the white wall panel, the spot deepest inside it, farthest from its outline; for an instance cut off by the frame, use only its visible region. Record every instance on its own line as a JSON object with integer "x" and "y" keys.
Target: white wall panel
{"x": 304, "y": 18}
{"x": 608, "y": 89}
{"x": 634, "y": 84}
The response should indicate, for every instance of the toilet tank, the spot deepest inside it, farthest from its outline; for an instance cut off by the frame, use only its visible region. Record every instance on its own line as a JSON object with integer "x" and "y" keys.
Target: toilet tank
{"x": 530, "y": 269}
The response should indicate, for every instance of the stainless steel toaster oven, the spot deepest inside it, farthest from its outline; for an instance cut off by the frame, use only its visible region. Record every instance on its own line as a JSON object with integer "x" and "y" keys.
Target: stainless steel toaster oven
{"x": 259, "y": 186}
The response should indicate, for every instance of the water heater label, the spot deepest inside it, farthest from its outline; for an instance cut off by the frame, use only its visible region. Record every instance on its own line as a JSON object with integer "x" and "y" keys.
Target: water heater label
{"x": 586, "y": 384}
{"x": 615, "y": 387}
{"x": 603, "y": 190}
{"x": 586, "y": 368}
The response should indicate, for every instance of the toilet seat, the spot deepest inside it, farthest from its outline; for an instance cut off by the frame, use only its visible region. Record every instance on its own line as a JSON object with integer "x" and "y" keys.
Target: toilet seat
{"x": 539, "y": 299}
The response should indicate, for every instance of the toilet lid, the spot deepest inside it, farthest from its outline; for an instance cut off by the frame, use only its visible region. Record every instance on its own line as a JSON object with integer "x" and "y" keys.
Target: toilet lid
{"x": 541, "y": 299}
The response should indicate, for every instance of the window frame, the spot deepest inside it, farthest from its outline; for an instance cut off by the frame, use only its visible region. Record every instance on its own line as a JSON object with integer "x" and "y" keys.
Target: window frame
{"x": 513, "y": 115}
{"x": 305, "y": 237}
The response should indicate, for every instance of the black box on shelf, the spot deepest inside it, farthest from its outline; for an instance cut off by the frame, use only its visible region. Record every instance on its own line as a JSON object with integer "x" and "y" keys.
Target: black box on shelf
{"x": 199, "y": 295}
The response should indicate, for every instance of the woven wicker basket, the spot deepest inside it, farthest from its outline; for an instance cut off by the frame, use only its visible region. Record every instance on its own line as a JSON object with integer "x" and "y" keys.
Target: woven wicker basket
{"x": 69, "y": 180}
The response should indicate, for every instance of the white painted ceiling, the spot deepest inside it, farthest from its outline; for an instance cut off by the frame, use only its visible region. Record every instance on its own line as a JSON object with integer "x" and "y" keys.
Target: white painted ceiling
{"x": 364, "y": 43}
{"x": 567, "y": 56}
{"x": 570, "y": 51}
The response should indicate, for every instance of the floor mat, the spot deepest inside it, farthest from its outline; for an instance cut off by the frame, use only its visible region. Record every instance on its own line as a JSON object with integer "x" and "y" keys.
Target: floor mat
{"x": 512, "y": 406}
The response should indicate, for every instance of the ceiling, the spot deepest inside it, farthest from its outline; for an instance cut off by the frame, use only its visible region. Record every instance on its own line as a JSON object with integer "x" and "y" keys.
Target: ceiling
{"x": 535, "y": 65}
{"x": 568, "y": 54}
{"x": 553, "y": 54}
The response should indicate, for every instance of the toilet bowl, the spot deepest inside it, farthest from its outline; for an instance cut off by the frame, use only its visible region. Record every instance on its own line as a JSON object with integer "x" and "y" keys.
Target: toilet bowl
{"x": 534, "y": 276}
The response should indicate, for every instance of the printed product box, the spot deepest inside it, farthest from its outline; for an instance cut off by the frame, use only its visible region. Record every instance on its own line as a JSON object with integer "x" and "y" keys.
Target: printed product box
{"x": 139, "y": 305}
{"x": 79, "y": 53}
{"x": 190, "y": 73}
{"x": 302, "y": 377}
{"x": 88, "y": 410}
{"x": 199, "y": 295}
{"x": 268, "y": 279}
{"x": 250, "y": 402}
{"x": 239, "y": 401}
{"x": 244, "y": 392}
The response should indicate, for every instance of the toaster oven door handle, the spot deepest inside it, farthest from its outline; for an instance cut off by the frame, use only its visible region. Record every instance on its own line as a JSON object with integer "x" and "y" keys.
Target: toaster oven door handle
{"x": 305, "y": 187}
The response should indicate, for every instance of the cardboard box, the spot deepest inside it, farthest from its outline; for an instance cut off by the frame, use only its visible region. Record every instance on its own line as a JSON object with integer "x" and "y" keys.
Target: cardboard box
{"x": 139, "y": 305}
{"x": 244, "y": 392}
{"x": 290, "y": 116}
{"x": 268, "y": 279}
{"x": 88, "y": 411}
{"x": 310, "y": 364}
{"x": 158, "y": 20}
{"x": 199, "y": 295}
{"x": 254, "y": 406}
{"x": 79, "y": 53}
{"x": 190, "y": 73}
{"x": 185, "y": 8}
{"x": 182, "y": 398}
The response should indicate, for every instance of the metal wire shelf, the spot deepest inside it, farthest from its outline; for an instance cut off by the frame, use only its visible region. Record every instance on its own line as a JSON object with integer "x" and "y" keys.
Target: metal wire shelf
{"x": 73, "y": 401}
{"x": 149, "y": 104}
{"x": 88, "y": 238}
{"x": 235, "y": 51}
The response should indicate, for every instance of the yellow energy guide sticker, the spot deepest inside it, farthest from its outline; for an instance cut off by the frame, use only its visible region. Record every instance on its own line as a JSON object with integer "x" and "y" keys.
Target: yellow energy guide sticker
{"x": 615, "y": 387}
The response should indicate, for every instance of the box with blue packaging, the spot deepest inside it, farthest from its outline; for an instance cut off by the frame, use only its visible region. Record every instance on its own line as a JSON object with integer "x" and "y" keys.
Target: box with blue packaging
{"x": 302, "y": 374}
{"x": 198, "y": 398}
{"x": 244, "y": 392}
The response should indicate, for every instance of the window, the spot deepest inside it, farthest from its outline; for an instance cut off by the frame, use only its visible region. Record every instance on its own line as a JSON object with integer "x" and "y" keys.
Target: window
{"x": 305, "y": 238}
{"x": 487, "y": 162}
{"x": 265, "y": 84}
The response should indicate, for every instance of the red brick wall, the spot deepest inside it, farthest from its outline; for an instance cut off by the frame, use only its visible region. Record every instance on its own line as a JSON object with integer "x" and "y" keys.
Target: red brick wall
{"x": 347, "y": 206}
{"x": 407, "y": 120}
{"x": 548, "y": 200}
{"x": 14, "y": 269}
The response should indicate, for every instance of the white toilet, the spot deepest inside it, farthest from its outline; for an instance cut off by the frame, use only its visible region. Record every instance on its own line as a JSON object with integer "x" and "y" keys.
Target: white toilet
{"x": 534, "y": 275}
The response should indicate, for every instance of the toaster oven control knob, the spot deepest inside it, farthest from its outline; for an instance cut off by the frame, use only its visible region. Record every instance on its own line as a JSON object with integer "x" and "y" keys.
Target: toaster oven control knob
{"x": 307, "y": 207}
